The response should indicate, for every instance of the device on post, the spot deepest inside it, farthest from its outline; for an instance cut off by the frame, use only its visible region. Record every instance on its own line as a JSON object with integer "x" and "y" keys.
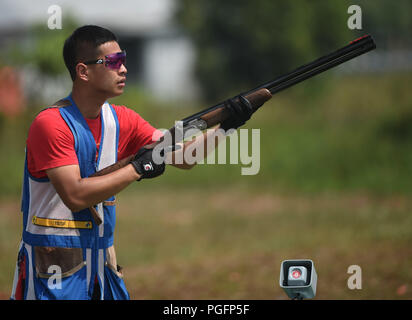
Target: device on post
{"x": 298, "y": 278}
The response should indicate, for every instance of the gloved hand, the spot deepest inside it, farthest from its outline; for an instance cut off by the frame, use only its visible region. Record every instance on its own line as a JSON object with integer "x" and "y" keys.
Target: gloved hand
{"x": 240, "y": 112}
{"x": 145, "y": 166}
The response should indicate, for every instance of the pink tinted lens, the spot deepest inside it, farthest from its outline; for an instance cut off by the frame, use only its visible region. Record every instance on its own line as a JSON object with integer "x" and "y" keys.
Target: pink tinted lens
{"x": 115, "y": 60}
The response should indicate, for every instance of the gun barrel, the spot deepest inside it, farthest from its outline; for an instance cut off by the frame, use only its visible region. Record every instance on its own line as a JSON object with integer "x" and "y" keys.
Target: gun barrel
{"x": 350, "y": 51}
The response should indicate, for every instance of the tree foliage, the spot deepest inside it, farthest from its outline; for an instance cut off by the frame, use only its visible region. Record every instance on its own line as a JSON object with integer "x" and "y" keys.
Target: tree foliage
{"x": 390, "y": 22}
{"x": 243, "y": 43}
{"x": 44, "y": 48}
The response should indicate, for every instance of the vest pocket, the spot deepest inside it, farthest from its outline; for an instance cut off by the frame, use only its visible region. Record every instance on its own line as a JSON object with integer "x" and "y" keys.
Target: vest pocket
{"x": 60, "y": 274}
{"x": 111, "y": 262}
{"x": 66, "y": 261}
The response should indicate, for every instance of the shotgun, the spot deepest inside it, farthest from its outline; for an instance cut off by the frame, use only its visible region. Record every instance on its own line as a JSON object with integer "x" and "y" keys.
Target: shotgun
{"x": 258, "y": 96}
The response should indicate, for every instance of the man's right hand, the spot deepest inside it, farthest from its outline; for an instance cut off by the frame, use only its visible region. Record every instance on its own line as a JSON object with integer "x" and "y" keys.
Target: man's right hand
{"x": 145, "y": 166}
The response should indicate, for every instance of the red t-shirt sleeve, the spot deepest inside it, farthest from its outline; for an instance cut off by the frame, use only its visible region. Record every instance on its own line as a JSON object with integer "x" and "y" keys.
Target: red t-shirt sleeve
{"x": 135, "y": 132}
{"x": 50, "y": 143}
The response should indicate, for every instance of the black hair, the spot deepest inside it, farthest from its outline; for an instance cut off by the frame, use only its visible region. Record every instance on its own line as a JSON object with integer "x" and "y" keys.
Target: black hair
{"x": 82, "y": 45}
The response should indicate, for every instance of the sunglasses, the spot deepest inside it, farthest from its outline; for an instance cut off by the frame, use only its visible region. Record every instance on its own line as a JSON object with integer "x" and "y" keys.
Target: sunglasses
{"x": 112, "y": 61}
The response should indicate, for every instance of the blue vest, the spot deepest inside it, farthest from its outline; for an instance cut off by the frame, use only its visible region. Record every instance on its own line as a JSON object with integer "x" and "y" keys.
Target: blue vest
{"x": 47, "y": 222}
{"x": 40, "y": 200}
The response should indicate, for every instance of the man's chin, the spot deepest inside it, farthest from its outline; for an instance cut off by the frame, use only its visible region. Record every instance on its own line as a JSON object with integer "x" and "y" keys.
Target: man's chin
{"x": 120, "y": 88}
{"x": 115, "y": 93}
{"x": 119, "y": 92}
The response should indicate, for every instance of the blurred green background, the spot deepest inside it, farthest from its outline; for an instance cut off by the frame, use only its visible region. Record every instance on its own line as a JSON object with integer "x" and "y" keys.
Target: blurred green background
{"x": 334, "y": 183}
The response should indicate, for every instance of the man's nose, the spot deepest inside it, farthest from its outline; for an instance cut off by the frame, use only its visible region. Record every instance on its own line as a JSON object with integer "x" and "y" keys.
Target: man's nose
{"x": 123, "y": 69}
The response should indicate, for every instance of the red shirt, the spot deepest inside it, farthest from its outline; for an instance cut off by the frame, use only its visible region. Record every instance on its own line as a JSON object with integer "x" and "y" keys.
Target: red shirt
{"x": 50, "y": 142}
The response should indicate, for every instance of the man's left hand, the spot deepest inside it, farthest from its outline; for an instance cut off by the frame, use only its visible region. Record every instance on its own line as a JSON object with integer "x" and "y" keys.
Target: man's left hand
{"x": 240, "y": 111}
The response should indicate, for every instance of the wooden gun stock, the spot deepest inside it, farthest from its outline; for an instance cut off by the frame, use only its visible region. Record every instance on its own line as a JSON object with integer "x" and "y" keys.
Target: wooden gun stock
{"x": 256, "y": 99}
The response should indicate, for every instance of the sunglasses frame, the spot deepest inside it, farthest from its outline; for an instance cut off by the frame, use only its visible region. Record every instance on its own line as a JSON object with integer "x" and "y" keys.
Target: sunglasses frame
{"x": 108, "y": 58}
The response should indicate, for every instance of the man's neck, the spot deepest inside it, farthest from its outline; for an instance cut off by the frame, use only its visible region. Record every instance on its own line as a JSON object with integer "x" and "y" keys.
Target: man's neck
{"x": 88, "y": 102}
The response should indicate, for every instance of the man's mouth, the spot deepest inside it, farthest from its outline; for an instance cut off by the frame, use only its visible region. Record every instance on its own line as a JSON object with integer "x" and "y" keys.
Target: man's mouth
{"x": 122, "y": 82}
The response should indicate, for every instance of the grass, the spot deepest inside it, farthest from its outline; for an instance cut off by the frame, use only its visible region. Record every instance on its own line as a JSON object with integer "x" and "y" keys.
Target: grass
{"x": 233, "y": 246}
{"x": 229, "y": 244}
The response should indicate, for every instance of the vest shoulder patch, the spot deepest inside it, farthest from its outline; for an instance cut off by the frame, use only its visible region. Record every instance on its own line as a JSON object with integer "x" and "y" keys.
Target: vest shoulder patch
{"x": 58, "y": 104}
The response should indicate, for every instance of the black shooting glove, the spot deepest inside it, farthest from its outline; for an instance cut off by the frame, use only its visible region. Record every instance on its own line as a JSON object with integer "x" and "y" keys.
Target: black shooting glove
{"x": 240, "y": 111}
{"x": 145, "y": 166}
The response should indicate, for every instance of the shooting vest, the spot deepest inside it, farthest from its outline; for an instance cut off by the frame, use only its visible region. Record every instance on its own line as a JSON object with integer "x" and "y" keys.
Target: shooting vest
{"x": 57, "y": 240}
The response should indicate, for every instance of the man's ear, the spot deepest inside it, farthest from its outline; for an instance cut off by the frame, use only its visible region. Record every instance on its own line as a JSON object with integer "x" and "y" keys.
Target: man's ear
{"x": 82, "y": 71}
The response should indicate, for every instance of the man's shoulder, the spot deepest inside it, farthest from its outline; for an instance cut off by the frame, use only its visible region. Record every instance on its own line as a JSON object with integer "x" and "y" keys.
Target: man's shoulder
{"x": 53, "y": 109}
{"x": 48, "y": 120}
{"x": 47, "y": 116}
{"x": 129, "y": 119}
{"x": 126, "y": 115}
{"x": 129, "y": 113}
{"x": 121, "y": 109}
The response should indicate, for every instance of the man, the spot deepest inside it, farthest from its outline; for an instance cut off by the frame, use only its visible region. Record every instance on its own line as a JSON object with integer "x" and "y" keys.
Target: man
{"x": 64, "y": 253}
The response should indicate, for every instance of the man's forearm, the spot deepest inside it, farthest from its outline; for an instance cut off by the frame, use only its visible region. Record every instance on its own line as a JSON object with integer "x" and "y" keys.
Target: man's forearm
{"x": 79, "y": 193}
{"x": 209, "y": 140}
{"x": 91, "y": 191}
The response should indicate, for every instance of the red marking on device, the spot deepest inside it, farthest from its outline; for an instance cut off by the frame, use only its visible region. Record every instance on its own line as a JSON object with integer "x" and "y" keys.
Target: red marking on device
{"x": 358, "y": 39}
